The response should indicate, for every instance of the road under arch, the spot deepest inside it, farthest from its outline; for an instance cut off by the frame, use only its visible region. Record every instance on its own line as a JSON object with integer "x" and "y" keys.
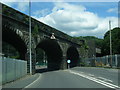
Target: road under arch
{"x": 73, "y": 55}
{"x": 53, "y": 52}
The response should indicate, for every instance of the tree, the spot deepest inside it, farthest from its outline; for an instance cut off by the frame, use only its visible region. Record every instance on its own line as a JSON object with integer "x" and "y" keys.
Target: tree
{"x": 98, "y": 41}
{"x": 115, "y": 38}
{"x": 39, "y": 55}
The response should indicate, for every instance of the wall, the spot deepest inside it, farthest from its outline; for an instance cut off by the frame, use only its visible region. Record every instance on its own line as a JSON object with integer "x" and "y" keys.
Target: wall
{"x": 12, "y": 69}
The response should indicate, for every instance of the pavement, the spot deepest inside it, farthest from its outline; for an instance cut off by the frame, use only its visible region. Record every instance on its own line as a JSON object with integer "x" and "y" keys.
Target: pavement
{"x": 26, "y": 80}
{"x": 22, "y": 82}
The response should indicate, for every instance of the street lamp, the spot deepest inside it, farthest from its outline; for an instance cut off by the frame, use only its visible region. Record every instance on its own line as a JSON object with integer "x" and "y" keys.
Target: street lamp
{"x": 94, "y": 61}
{"x": 110, "y": 44}
{"x": 30, "y": 37}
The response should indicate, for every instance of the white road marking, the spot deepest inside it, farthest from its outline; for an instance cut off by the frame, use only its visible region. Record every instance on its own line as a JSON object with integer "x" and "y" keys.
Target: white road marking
{"x": 32, "y": 82}
{"x": 105, "y": 79}
{"x": 91, "y": 75}
{"x": 96, "y": 80}
{"x": 81, "y": 72}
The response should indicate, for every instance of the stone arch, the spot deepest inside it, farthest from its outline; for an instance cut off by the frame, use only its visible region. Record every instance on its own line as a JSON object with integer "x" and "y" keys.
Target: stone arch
{"x": 73, "y": 55}
{"x": 53, "y": 52}
{"x": 11, "y": 37}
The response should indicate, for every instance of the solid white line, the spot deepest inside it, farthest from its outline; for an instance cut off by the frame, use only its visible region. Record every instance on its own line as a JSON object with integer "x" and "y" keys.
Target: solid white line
{"x": 97, "y": 80}
{"x": 32, "y": 82}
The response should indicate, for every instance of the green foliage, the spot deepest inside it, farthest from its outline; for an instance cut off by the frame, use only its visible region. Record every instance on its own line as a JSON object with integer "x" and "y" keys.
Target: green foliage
{"x": 104, "y": 44}
{"x": 115, "y": 37}
{"x": 35, "y": 30}
{"x": 82, "y": 64}
{"x": 39, "y": 55}
{"x": 98, "y": 41}
{"x": 15, "y": 57}
{"x": 86, "y": 46}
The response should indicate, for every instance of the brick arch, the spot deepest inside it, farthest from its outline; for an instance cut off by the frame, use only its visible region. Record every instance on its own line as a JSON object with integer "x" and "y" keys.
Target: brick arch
{"x": 53, "y": 52}
{"x": 14, "y": 39}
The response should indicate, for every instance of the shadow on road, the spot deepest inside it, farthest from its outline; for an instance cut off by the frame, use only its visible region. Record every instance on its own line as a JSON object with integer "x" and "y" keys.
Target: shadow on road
{"x": 43, "y": 70}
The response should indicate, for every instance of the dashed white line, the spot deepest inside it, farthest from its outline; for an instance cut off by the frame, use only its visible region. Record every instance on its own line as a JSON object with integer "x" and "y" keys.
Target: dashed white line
{"x": 96, "y": 80}
{"x": 91, "y": 75}
{"x": 81, "y": 72}
{"x": 105, "y": 79}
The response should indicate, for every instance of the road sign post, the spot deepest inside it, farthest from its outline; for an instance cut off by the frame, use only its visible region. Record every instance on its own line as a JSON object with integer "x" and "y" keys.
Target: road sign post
{"x": 68, "y": 61}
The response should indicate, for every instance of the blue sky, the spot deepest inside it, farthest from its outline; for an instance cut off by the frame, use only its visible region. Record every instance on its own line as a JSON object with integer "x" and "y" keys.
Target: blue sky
{"x": 73, "y": 18}
{"x": 99, "y": 8}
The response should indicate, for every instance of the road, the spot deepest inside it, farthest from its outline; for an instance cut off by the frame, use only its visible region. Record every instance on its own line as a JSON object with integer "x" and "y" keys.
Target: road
{"x": 77, "y": 78}
{"x": 108, "y": 75}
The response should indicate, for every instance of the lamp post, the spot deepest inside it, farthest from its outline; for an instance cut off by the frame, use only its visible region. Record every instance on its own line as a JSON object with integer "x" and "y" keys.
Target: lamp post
{"x": 30, "y": 37}
{"x": 94, "y": 62}
{"x": 110, "y": 44}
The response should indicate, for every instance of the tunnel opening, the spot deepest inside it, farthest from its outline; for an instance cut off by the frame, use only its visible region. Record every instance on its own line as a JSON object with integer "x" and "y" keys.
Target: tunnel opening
{"x": 53, "y": 53}
{"x": 73, "y": 56}
{"x": 11, "y": 39}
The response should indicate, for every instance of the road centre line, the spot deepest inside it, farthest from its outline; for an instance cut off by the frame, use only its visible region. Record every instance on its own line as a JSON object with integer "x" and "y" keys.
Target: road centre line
{"x": 95, "y": 80}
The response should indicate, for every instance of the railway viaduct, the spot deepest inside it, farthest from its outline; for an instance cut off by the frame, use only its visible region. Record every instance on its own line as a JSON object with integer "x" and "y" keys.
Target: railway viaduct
{"x": 15, "y": 31}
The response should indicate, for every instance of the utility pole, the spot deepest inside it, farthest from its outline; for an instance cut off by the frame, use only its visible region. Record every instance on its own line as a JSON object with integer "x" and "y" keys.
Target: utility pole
{"x": 110, "y": 44}
{"x": 30, "y": 37}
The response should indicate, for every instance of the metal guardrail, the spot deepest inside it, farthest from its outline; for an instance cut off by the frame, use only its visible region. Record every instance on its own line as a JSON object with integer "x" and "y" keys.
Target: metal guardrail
{"x": 12, "y": 69}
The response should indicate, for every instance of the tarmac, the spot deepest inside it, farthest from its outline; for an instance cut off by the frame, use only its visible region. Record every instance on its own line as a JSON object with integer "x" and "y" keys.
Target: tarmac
{"x": 21, "y": 83}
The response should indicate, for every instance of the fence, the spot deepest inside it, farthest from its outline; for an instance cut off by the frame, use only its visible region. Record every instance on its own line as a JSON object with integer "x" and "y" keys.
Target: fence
{"x": 103, "y": 61}
{"x": 12, "y": 69}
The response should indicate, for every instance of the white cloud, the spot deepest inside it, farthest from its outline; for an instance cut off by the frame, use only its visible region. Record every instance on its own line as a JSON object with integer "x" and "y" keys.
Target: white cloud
{"x": 112, "y": 10}
{"x": 72, "y": 19}
{"x": 77, "y": 21}
{"x": 40, "y": 13}
{"x": 23, "y": 5}
{"x": 14, "y": 1}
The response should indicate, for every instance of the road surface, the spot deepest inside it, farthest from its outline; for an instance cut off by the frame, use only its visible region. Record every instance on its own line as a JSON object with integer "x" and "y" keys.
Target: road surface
{"x": 77, "y": 78}
{"x": 108, "y": 75}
